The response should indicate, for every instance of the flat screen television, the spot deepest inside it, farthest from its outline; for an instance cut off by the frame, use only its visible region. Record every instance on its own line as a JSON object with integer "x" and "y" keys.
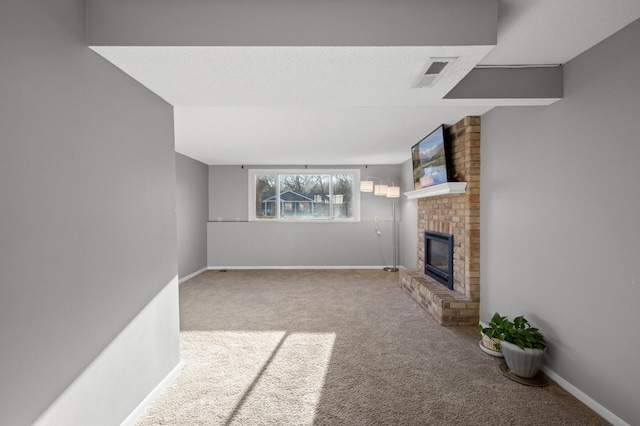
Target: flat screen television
{"x": 429, "y": 158}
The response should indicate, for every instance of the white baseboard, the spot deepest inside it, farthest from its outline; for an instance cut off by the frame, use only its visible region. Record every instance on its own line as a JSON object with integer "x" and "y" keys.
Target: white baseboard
{"x": 195, "y": 274}
{"x": 579, "y": 395}
{"x": 146, "y": 403}
{"x": 584, "y": 398}
{"x": 217, "y": 268}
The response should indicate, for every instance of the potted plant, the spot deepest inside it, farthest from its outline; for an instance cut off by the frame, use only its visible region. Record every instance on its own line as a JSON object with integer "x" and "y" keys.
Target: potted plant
{"x": 523, "y": 346}
{"x": 491, "y": 335}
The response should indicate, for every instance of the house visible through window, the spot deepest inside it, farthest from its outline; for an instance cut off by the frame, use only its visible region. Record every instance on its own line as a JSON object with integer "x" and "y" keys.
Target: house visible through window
{"x": 304, "y": 194}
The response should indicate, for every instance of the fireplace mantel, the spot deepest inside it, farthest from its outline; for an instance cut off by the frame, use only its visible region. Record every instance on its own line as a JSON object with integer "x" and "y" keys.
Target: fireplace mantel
{"x": 436, "y": 190}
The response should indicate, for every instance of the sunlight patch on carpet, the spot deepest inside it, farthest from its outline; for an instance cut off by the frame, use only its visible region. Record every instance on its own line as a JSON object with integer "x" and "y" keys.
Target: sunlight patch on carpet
{"x": 238, "y": 377}
{"x": 290, "y": 387}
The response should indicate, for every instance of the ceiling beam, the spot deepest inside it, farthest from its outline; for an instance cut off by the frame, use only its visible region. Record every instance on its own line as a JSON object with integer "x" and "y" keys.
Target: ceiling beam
{"x": 292, "y": 23}
{"x": 536, "y": 83}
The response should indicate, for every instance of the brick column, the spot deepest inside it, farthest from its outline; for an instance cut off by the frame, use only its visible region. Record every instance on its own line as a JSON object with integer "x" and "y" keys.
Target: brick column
{"x": 459, "y": 215}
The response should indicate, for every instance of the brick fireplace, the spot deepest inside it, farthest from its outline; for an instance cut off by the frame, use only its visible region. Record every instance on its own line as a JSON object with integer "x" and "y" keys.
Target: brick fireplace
{"x": 458, "y": 215}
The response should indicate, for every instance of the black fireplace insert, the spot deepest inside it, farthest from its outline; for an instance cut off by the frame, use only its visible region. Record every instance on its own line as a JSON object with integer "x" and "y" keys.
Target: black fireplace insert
{"x": 438, "y": 257}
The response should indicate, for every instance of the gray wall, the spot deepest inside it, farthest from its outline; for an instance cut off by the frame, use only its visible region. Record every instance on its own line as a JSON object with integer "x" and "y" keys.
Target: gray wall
{"x": 192, "y": 211}
{"x": 559, "y": 218}
{"x": 87, "y": 223}
{"x": 409, "y": 220}
{"x": 243, "y": 244}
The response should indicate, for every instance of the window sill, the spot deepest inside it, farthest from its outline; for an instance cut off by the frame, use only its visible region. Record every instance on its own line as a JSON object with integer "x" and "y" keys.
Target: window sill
{"x": 291, "y": 220}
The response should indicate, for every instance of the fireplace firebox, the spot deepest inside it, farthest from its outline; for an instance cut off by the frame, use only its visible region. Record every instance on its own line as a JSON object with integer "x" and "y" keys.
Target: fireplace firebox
{"x": 438, "y": 257}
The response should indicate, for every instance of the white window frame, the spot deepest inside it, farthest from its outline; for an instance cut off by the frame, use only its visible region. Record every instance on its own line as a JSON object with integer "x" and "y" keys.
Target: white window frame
{"x": 252, "y": 194}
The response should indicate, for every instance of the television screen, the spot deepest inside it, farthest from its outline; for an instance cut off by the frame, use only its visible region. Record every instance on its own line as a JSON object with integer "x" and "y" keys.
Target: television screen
{"x": 429, "y": 160}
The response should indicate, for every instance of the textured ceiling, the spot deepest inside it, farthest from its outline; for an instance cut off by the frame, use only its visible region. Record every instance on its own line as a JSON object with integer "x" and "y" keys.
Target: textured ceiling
{"x": 298, "y": 105}
{"x": 291, "y": 76}
{"x": 307, "y": 136}
{"x": 346, "y": 105}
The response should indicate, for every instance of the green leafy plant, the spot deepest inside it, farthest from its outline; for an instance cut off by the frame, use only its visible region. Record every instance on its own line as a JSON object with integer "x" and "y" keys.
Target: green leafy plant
{"x": 519, "y": 332}
{"x": 495, "y": 328}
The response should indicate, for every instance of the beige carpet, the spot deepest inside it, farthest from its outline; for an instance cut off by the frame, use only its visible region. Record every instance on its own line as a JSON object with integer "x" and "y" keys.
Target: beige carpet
{"x": 329, "y": 347}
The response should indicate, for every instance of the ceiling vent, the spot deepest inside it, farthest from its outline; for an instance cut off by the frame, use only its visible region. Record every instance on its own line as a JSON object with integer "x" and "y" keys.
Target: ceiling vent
{"x": 432, "y": 71}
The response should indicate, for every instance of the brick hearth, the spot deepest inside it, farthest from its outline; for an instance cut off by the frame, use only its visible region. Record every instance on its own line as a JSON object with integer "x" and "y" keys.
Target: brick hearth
{"x": 457, "y": 214}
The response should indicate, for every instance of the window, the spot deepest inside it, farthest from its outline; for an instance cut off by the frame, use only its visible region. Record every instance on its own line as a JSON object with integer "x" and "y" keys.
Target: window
{"x": 291, "y": 195}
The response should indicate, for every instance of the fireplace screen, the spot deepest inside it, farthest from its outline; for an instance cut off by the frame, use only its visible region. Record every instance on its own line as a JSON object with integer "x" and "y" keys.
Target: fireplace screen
{"x": 438, "y": 257}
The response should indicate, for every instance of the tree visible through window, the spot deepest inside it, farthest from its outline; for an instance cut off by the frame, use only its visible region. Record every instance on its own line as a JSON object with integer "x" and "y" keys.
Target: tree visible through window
{"x": 293, "y": 194}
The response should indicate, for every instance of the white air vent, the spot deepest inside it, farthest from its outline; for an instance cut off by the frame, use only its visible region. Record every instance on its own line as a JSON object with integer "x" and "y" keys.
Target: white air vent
{"x": 432, "y": 71}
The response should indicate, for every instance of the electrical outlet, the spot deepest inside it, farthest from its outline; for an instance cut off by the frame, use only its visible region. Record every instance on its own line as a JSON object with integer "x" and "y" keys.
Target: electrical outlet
{"x": 376, "y": 219}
